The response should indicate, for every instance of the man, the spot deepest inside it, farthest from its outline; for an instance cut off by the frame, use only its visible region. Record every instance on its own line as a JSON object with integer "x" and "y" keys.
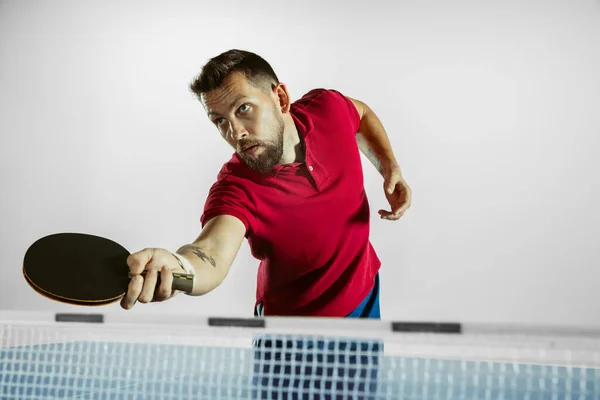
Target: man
{"x": 293, "y": 188}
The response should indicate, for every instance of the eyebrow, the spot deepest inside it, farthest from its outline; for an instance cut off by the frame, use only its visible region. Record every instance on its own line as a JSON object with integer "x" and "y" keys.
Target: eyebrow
{"x": 233, "y": 103}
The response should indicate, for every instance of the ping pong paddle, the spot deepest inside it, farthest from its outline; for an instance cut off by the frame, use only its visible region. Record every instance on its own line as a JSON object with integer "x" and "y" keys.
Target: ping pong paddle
{"x": 83, "y": 269}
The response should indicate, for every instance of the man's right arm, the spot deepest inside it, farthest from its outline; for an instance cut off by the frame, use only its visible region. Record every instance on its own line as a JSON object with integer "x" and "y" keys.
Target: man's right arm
{"x": 211, "y": 255}
{"x": 214, "y": 251}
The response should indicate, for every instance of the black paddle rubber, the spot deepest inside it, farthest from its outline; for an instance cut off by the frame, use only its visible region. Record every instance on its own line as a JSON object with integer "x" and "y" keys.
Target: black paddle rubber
{"x": 77, "y": 268}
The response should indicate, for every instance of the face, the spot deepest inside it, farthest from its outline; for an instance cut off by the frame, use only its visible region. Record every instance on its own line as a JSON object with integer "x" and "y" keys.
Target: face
{"x": 249, "y": 120}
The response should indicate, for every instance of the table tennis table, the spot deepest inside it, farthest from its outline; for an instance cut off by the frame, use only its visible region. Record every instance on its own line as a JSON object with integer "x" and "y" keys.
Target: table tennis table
{"x": 129, "y": 356}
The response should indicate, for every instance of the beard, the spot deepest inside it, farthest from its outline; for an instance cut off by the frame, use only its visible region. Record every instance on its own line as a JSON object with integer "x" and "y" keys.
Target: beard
{"x": 272, "y": 150}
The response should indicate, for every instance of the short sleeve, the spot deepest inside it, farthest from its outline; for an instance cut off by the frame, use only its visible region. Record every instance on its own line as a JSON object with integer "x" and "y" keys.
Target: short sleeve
{"x": 346, "y": 109}
{"x": 225, "y": 197}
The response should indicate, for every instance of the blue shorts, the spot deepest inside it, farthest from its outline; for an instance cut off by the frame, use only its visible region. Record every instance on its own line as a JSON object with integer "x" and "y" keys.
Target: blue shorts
{"x": 369, "y": 308}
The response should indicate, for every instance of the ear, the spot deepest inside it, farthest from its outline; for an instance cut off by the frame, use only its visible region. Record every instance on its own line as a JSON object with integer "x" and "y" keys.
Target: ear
{"x": 282, "y": 97}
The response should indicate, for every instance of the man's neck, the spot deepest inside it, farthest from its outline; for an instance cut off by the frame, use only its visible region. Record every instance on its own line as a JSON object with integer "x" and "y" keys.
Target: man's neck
{"x": 293, "y": 148}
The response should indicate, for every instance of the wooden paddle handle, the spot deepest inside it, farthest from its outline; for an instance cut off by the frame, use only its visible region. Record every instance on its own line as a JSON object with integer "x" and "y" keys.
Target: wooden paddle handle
{"x": 181, "y": 281}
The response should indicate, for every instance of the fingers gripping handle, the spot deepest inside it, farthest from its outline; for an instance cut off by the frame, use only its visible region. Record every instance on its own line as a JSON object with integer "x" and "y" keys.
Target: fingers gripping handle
{"x": 181, "y": 281}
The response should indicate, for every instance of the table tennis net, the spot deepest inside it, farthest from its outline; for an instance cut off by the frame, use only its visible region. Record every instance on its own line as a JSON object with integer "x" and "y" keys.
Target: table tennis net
{"x": 126, "y": 361}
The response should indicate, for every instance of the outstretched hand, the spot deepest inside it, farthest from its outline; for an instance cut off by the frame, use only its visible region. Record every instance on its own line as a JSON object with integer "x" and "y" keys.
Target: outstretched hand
{"x": 398, "y": 195}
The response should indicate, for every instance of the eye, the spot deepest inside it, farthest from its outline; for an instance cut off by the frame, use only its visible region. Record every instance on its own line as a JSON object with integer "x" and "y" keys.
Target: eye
{"x": 244, "y": 107}
{"x": 218, "y": 121}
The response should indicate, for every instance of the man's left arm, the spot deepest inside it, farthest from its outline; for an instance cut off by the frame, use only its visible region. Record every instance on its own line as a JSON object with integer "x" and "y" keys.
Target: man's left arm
{"x": 374, "y": 143}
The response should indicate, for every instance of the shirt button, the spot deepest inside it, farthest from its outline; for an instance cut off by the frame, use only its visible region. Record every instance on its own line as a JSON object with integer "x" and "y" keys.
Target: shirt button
{"x": 310, "y": 167}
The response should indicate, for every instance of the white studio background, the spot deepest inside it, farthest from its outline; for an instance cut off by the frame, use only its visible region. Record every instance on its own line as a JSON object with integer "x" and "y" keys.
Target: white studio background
{"x": 493, "y": 110}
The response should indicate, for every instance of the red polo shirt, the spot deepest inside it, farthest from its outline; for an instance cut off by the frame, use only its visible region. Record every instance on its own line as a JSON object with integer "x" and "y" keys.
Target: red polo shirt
{"x": 307, "y": 223}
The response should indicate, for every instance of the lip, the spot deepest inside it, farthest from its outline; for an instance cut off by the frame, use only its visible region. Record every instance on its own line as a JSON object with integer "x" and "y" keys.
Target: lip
{"x": 251, "y": 149}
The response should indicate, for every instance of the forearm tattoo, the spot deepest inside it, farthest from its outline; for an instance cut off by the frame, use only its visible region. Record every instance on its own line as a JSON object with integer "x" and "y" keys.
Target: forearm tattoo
{"x": 198, "y": 252}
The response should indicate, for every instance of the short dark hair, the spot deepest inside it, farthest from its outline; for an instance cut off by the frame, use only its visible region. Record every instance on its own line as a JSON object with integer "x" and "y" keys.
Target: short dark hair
{"x": 258, "y": 71}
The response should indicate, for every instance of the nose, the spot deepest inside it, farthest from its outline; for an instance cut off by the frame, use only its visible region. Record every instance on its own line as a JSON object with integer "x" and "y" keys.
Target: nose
{"x": 237, "y": 131}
